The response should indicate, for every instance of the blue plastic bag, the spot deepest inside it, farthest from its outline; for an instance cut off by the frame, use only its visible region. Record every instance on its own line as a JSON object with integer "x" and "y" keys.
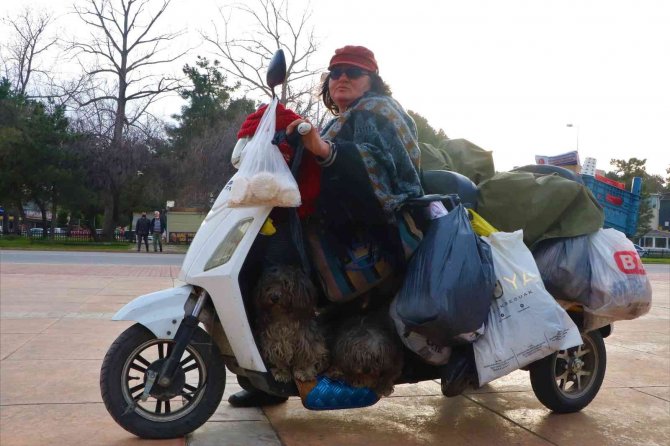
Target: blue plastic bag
{"x": 449, "y": 283}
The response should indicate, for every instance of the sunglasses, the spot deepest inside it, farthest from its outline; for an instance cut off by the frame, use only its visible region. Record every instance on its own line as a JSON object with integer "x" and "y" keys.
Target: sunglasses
{"x": 351, "y": 72}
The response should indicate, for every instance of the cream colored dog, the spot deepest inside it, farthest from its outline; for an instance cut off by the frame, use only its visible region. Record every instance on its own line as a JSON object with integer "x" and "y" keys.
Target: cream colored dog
{"x": 290, "y": 340}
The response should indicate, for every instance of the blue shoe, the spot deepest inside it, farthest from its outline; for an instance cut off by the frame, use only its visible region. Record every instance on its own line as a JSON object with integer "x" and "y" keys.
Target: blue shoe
{"x": 329, "y": 394}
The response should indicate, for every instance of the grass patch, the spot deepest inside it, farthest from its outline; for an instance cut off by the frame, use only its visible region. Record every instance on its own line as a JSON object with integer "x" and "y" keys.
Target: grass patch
{"x": 656, "y": 260}
{"x": 61, "y": 245}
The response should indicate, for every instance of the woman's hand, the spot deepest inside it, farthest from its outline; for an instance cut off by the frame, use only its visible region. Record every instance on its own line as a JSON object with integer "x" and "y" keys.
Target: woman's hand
{"x": 312, "y": 141}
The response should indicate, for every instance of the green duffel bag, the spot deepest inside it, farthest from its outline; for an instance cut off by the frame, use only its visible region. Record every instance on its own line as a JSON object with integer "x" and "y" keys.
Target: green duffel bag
{"x": 458, "y": 155}
{"x": 543, "y": 206}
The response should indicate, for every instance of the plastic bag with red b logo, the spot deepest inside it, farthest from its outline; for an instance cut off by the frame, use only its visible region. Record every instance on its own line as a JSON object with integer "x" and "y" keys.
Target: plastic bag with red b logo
{"x": 620, "y": 288}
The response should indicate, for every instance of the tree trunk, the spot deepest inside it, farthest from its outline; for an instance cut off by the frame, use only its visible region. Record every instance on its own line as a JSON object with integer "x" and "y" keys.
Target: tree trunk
{"x": 43, "y": 211}
{"x": 19, "y": 208}
{"x": 112, "y": 198}
{"x": 111, "y": 203}
{"x": 19, "y": 216}
{"x": 54, "y": 212}
{"x": 5, "y": 221}
{"x": 16, "y": 226}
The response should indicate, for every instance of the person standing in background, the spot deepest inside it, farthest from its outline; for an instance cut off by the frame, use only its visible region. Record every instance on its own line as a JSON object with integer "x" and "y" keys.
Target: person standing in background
{"x": 158, "y": 228}
{"x": 142, "y": 229}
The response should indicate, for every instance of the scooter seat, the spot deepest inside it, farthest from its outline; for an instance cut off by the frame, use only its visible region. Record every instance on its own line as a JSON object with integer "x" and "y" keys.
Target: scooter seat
{"x": 446, "y": 182}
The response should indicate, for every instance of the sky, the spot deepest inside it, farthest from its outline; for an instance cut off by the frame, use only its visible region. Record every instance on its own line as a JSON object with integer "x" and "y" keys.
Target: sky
{"x": 508, "y": 75}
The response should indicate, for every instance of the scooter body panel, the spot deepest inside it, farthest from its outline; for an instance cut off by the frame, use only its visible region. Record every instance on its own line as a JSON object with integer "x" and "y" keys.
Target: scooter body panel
{"x": 161, "y": 312}
{"x": 221, "y": 282}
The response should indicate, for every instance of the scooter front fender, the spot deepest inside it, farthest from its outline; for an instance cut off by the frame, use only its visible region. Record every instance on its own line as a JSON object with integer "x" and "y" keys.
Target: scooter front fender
{"x": 161, "y": 312}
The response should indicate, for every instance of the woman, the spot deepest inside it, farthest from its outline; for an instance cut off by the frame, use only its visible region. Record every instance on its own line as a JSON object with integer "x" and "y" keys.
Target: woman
{"x": 369, "y": 123}
{"x": 369, "y": 156}
{"x": 372, "y": 144}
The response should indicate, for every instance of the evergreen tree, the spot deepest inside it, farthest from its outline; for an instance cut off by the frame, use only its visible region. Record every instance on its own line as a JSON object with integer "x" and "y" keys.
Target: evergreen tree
{"x": 34, "y": 152}
{"x": 203, "y": 140}
{"x": 425, "y": 132}
{"x": 624, "y": 172}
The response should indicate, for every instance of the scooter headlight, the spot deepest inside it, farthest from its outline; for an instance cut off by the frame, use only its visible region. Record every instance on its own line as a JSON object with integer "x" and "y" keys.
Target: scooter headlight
{"x": 226, "y": 249}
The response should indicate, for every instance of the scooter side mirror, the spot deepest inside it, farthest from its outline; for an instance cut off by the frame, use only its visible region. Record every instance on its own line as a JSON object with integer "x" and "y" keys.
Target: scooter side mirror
{"x": 276, "y": 70}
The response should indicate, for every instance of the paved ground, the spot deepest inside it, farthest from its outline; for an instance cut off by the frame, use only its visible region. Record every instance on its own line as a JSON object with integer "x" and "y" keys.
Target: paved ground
{"x": 93, "y": 258}
{"x": 55, "y": 329}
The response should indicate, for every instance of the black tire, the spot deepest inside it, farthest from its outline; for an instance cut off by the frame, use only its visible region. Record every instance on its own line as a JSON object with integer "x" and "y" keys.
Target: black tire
{"x": 568, "y": 380}
{"x": 197, "y": 400}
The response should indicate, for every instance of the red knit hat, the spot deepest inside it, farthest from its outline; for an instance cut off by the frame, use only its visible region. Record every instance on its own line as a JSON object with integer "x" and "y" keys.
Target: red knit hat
{"x": 358, "y": 56}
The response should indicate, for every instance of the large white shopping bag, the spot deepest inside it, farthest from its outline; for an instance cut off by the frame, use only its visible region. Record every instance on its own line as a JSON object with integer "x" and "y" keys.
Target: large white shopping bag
{"x": 620, "y": 288}
{"x": 525, "y": 323}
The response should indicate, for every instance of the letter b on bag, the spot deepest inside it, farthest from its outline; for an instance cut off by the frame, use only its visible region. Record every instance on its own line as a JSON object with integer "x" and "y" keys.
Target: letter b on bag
{"x": 628, "y": 262}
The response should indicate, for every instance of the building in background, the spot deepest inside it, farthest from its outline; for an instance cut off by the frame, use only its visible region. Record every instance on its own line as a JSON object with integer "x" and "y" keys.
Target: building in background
{"x": 589, "y": 167}
{"x": 568, "y": 160}
{"x": 658, "y": 239}
{"x": 183, "y": 223}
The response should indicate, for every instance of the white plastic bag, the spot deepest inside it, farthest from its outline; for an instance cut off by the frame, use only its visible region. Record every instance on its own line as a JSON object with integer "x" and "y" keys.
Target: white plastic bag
{"x": 263, "y": 178}
{"x": 620, "y": 288}
{"x": 436, "y": 210}
{"x": 525, "y": 323}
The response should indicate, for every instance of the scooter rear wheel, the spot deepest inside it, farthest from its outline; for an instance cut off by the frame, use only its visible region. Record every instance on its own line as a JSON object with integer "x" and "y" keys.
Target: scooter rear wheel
{"x": 168, "y": 412}
{"x": 568, "y": 380}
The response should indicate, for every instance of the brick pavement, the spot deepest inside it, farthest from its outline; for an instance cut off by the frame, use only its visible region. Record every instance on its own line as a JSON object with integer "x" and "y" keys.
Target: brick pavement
{"x": 55, "y": 329}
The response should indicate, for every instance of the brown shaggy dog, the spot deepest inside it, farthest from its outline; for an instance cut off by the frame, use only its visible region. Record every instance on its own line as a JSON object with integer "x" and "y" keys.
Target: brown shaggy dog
{"x": 366, "y": 352}
{"x": 290, "y": 340}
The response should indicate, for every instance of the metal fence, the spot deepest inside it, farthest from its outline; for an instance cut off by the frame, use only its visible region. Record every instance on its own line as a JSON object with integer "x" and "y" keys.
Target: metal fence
{"x": 73, "y": 236}
{"x": 657, "y": 253}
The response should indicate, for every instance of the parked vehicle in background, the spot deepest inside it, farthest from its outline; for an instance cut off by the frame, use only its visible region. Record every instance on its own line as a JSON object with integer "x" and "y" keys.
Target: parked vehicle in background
{"x": 657, "y": 252}
{"x": 118, "y": 233}
{"x": 640, "y": 250}
{"x": 36, "y": 232}
{"x": 80, "y": 232}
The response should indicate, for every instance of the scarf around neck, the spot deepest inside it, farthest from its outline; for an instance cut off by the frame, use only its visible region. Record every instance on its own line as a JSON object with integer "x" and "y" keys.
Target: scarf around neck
{"x": 386, "y": 138}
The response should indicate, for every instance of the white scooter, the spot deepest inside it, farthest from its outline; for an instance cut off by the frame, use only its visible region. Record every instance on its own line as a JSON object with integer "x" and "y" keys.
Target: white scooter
{"x": 164, "y": 376}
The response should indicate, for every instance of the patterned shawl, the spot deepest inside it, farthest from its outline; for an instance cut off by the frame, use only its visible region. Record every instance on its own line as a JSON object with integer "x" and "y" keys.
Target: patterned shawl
{"x": 386, "y": 138}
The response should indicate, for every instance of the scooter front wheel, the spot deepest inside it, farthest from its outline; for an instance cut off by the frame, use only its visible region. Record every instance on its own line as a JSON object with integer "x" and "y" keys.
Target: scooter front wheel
{"x": 568, "y": 380}
{"x": 163, "y": 412}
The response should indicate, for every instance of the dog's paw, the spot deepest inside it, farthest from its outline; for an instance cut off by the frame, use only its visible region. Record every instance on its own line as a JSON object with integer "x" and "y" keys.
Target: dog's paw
{"x": 335, "y": 373}
{"x": 321, "y": 367}
{"x": 281, "y": 375}
{"x": 305, "y": 374}
{"x": 383, "y": 389}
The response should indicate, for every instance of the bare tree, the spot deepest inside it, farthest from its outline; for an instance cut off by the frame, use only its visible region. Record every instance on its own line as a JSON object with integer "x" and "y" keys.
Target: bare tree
{"x": 246, "y": 57}
{"x": 23, "y": 54}
{"x": 209, "y": 154}
{"x": 120, "y": 57}
{"x": 30, "y": 56}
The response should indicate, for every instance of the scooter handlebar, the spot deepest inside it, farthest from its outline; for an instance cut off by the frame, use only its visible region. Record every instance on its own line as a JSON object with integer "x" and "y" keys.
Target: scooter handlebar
{"x": 304, "y": 128}
{"x": 293, "y": 138}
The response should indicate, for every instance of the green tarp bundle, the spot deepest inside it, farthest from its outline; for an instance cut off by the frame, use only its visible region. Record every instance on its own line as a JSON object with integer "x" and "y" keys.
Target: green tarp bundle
{"x": 544, "y": 206}
{"x": 458, "y": 155}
